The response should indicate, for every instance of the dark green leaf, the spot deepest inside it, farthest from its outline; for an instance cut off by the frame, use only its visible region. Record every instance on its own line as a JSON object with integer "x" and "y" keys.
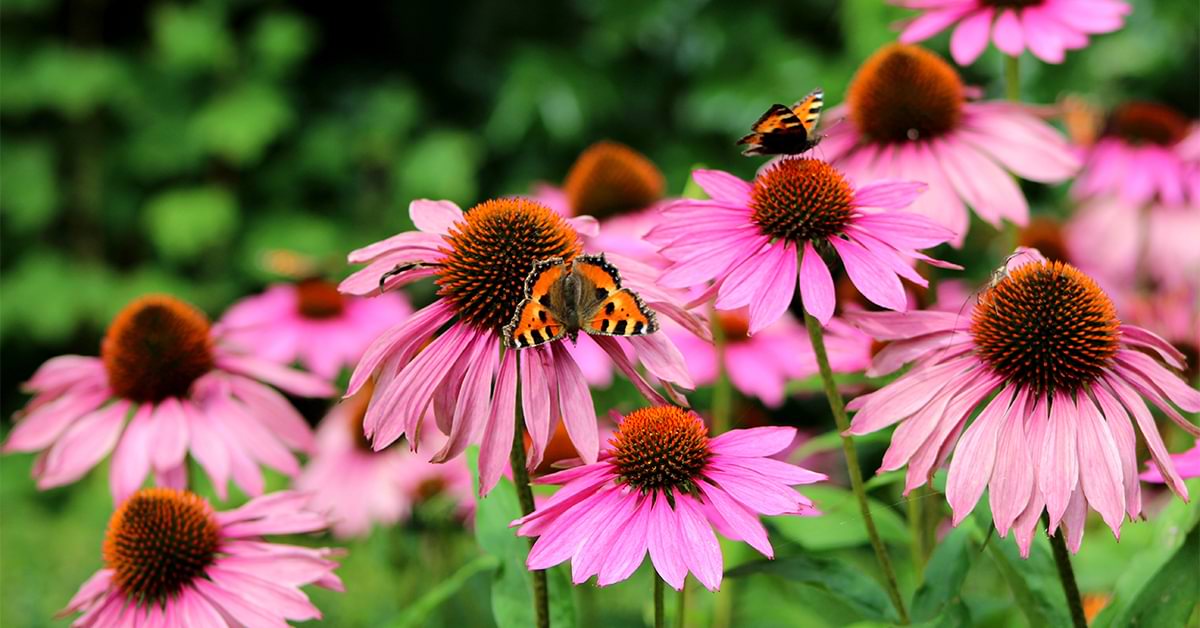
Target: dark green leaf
{"x": 1034, "y": 581}
{"x": 843, "y": 581}
{"x": 944, "y": 575}
{"x": 1172, "y": 595}
{"x": 841, "y": 523}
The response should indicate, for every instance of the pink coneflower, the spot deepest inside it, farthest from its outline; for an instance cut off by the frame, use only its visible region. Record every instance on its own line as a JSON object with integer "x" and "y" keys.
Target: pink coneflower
{"x": 747, "y": 238}
{"x": 1155, "y": 242}
{"x": 1147, "y": 153}
{"x": 481, "y": 259}
{"x": 1066, "y": 374}
{"x": 310, "y": 322}
{"x": 907, "y": 117}
{"x": 662, "y": 487}
{"x": 1187, "y": 464}
{"x": 761, "y": 365}
{"x": 1048, "y": 28}
{"x": 359, "y": 486}
{"x": 165, "y": 384}
{"x": 170, "y": 560}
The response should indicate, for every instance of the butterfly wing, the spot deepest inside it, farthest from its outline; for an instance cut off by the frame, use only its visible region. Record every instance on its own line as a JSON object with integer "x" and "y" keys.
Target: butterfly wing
{"x": 607, "y": 308}
{"x": 535, "y": 323}
{"x": 808, "y": 110}
{"x": 778, "y": 131}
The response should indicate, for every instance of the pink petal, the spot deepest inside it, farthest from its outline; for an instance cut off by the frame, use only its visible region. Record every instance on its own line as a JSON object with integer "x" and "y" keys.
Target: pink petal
{"x": 930, "y": 23}
{"x": 704, "y": 553}
{"x": 1058, "y": 471}
{"x": 472, "y": 407}
{"x": 293, "y": 381}
{"x": 237, "y": 608}
{"x": 1007, "y": 34}
{"x": 889, "y": 194}
{"x": 746, "y": 523}
{"x": 578, "y": 411}
{"x": 662, "y": 359}
{"x": 667, "y": 548}
{"x": 399, "y": 340}
{"x": 1126, "y": 441}
{"x": 209, "y": 450}
{"x": 1013, "y": 478}
{"x": 902, "y": 325}
{"x": 753, "y": 443}
{"x": 816, "y": 285}
{"x": 289, "y": 603}
{"x": 723, "y": 187}
{"x": 275, "y": 412}
{"x": 498, "y": 435}
{"x": 84, "y": 444}
{"x": 903, "y": 397}
{"x": 872, "y": 277}
{"x": 780, "y": 276}
{"x": 970, "y": 37}
{"x": 434, "y": 216}
{"x": 537, "y": 377}
{"x": 38, "y": 429}
{"x": 416, "y": 245}
{"x": 1099, "y": 465}
{"x": 971, "y": 467}
{"x": 171, "y": 439}
{"x": 573, "y": 529}
{"x": 1040, "y": 37}
{"x": 131, "y": 462}
{"x": 608, "y": 539}
{"x": 627, "y": 554}
{"x": 1163, "y": 380}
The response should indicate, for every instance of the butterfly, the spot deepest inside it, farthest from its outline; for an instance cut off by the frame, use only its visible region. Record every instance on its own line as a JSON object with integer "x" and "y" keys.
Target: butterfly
{"x": 786, "y": 130}
{"x": 562, "y": 298}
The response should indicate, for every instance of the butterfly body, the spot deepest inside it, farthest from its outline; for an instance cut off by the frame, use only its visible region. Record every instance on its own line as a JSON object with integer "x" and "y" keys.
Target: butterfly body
{"x": 784, "y": 130}
{"x": 584, "y": 294}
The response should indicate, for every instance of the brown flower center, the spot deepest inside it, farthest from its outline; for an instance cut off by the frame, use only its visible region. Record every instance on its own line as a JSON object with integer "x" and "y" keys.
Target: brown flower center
{"x": 317, "y": 298}
{"x": 734, "y": 325}
{"x": 611, "y": 178}
{"x": 1046, "y": 326}
{"x": 357, "y": 411}
{"x": 661, "y": 448}
{"x": 905, "y": 93}
{"x": 159, "y": 540}
{"x": 491, "y": 252}
{"x": 1148, "y": 123}
{"x": 1045, "y": 235}
{"x": 155, "y": 348}
{"x": 801, "y": 200}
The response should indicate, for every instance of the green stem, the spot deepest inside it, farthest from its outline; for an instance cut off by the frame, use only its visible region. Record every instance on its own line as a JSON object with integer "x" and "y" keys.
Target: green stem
{"x": 1062, "y": 560}
{"x": 916, "y": 527}
{"x": 659, "y": 611}
{"x": 816, "y": 336}
{"x": 722, "y": 399}
{"x": 681, "y": 611}
{"x": 541, "y": 597}
{"x": 1012, "y": 78}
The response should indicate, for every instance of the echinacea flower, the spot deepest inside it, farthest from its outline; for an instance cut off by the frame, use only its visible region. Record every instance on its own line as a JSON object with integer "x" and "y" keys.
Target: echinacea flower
{"x": 481, "y": 259}
{"x": 310, "y": 322}
{"x": 907, "y": 117}
{"x": 358, "y": 486}
{"x": 1048, "y": 28}
{"x": 1155, "y": 242}
{"x": 662, "y": 486}
{"x": 170, "y": 560}
{"x": 1147, "y": 153}
{"x": 1187, "y": 464}
{"x": 1066, "y": 376}
{"x": 753, "y": 240}
{"x": 165, "y": 384}
{"x": 761, "y": 365}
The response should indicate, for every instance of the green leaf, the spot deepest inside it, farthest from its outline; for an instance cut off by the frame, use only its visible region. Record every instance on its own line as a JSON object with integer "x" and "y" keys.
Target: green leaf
{"x": 841, "y": 524}
{"x": 839, "y": 579}
{"x": 280, "y": 41}
{"x": 1034, "y": 581}
{"x": 418, "y": 611}
{"x": 75, "y": 82}
{"x": 29, "y": 193}
{"x": 1172, "y": 595}
{"x": 945, "y": 574}
{"x": 192, "y": 37}
{"x": 183, "y": 223}
{"x": 440, "y": 165}
{"x": 512, "y": 586}
{"x": 239, "y": 125}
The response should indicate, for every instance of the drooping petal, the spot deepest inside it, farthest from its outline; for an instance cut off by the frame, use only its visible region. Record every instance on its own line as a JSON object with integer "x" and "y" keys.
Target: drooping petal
{"x": 970, "y": 37}
{"x": 703, "y": 555}
{"x": 498, "y": 435}
{"x": 816, "y": 285}
{"x": 1058, "y": 472}
{"x": 871, "y": 276}
{"x": 1099, "y": 465}
{"x": 971, "y": 467}
{"x": 578, "y": 411}
{"x": 1013, "y": 478}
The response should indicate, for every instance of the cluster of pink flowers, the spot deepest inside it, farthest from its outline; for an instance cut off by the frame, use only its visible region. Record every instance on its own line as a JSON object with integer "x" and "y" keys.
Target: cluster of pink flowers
{"x": 1031, "y": 388}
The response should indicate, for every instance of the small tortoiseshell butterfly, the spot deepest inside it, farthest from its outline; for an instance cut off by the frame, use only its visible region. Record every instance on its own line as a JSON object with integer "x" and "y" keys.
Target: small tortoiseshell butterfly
{"x": 787, "y": 131}
{"x": 562, "y": 298}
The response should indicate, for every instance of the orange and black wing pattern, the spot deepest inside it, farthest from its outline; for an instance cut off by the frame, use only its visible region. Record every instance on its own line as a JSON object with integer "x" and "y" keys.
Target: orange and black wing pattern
{"x": 619, "y": 311}
{"x": 534, "y": 323}
{"x": 784, "y": 130}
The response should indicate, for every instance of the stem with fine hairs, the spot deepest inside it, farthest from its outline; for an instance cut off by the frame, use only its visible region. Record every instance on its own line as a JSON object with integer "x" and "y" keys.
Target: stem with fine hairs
{"x": 1012, "y": 78}
{"x": 541, "y": 593}
{"x": 1062, "y": 560}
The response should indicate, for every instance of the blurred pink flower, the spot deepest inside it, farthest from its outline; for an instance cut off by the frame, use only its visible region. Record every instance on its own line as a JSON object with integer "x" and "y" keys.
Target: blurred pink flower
{"x": 662, "y": 487}
{"x": 1148, "y": 154}
{"x": 182, "y": 387}
{"x": 310, "y": 322}
{"x": 359, "y": 487}
{"x": 907, "y": 117}
{"x": 1156, "y": 242}
{"x": 1048, "y": 28}
{"x": 170, "y": 560}
{"x": 1057, "y": 435}
{"x": 1186, "y": 463}
{"x": 761, "y": 365}
{"x": 747, "y": 238}
{"x": 481, "y": 259}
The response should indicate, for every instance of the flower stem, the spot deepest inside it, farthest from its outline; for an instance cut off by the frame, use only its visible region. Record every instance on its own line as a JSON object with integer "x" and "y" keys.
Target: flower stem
{"x": 1062, "y": 560}
{"x": 541, "y": 596}
{"x": 816, "y": 336}
{"x": 722, "y": 399}
{"x": 681, "y": 611}
{"x": 659, "y": 611}
{"x": 1012, "y": 78}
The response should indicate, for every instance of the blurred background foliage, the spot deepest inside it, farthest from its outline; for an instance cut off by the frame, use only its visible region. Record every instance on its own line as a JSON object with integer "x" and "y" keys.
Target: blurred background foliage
{"x": 165, "y": 146}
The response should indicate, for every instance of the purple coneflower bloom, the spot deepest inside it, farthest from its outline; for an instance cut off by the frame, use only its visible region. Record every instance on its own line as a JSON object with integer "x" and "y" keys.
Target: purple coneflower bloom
{"x": 170, "y": 560}
{"x": 1048, "y": 28}
{"x": 747, "y": 239}
{"x": 1064, "y": 376}
{"x": 165, "y": 384}
{"x": 661, "y": 487}
{"x": 448, "y": 355}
